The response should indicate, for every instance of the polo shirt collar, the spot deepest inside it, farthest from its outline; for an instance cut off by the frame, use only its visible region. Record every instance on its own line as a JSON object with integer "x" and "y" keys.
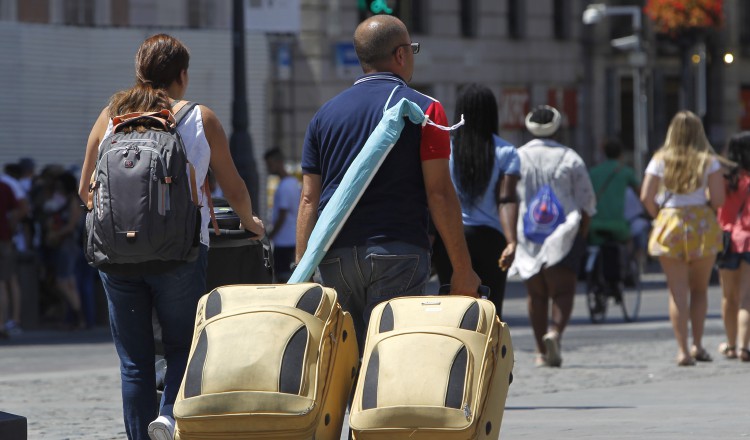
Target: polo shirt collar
{"x": 382, "y": 76}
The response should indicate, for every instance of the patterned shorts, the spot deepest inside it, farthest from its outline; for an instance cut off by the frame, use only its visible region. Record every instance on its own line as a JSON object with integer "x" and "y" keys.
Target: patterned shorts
{"x": 686, "y": 233}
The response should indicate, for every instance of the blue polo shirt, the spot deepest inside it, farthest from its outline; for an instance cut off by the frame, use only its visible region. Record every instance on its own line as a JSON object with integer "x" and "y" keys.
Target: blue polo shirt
{"x": 394, "y": 206}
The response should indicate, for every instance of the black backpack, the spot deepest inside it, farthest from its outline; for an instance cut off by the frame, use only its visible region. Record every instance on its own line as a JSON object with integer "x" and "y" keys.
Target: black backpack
{"x": 143, "y": 212}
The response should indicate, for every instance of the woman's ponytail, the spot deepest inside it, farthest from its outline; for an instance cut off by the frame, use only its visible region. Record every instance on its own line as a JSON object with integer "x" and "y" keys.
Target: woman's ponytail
{"x": 160, "y": 61}
{"x": 142, "y": 97}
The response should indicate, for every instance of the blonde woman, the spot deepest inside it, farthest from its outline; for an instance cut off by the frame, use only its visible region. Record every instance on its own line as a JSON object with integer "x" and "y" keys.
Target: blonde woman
{"x": 685, "y": 237}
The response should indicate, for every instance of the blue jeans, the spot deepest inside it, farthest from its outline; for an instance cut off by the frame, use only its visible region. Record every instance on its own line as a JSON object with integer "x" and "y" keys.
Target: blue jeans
{"x": 174, "y": 295}
{"x": 365, "y": 276}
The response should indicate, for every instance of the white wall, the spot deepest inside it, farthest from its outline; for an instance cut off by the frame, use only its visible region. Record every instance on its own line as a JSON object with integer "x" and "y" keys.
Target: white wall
{"x": 55, "y": 80}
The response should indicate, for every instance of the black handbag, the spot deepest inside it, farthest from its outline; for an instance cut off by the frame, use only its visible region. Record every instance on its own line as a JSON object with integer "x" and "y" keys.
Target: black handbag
{"x": 726, "y": 240}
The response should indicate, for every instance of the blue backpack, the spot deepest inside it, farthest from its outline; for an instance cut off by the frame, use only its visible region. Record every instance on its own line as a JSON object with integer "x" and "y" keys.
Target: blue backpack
{"x": 544, "y": 212}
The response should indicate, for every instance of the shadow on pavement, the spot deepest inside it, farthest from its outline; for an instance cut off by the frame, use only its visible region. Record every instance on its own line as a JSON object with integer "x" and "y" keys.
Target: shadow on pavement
{"x": 97, "y": 335}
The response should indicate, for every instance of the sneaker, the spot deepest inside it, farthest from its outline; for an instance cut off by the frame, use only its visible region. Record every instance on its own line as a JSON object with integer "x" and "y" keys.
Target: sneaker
{"x": 12, "y": 328}
{"x": 552, "y": 344}
{"x": 162, "y": 428}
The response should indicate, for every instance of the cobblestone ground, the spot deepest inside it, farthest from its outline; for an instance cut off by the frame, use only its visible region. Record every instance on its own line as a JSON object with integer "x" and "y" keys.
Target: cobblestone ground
{"x": 69, "y": 389}
{"x": 66, "y": 391}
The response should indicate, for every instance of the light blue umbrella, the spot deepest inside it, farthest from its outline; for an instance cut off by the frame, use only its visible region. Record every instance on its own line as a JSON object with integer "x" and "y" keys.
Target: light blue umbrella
{"x": 355, "y": 182}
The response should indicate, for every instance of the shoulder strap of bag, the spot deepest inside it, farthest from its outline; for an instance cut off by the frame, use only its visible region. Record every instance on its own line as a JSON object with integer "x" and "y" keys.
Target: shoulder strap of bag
{"x": 162, "y": 118}
{"x": 666, "y": 198}
{"x": 609, "y": 180}
{"x": 552, "y": 176}
{"x": 545, "y": 178}
{"x": 181, "y": 109}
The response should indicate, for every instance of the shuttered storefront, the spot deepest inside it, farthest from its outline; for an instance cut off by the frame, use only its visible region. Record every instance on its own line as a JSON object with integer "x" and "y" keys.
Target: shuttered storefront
{"x": 55, "y": 80}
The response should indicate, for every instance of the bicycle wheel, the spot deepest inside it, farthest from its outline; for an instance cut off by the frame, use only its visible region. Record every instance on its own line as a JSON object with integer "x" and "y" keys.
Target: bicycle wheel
{"x": 631, "y": 290}
{"x": 596, "y": 299}
{"x": 596, "y": 295}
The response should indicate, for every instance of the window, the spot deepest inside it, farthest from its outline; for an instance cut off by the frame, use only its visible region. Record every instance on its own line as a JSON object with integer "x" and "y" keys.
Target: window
{"x": 744, "y": 43}
{"x": 33, "y": 11}
{"x": 516, "y": 19}
{"x": 202, "y": 14}
{"x": 561, "y": 19}
{"x": 143, "y": 13}
{"x": 79, "y": 12}
{"x": 469, "y": 18}
{"x": 8, "y": 10}
{"x": 745, "y": 103}
{"x": 119, "y": 13}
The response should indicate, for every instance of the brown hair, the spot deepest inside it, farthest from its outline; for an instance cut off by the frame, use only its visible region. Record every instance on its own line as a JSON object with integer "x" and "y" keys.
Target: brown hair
{"x": 158, "y": 63}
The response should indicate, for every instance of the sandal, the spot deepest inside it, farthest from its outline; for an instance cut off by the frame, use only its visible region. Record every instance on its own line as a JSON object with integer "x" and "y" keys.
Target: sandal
{"x": 729, "y": 351}
{"x": 701, "y": 355}
{"x": 686, "y": 361}
{"x": 540, "y": 360}
{"x": 744, "y": 355}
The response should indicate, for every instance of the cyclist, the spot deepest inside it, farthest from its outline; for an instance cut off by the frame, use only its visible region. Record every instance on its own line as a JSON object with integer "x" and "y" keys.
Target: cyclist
{"x": 611, "y": 180}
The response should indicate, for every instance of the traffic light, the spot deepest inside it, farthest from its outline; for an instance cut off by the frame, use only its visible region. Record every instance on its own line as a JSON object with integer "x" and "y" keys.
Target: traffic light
{"x": 368, "y": 8}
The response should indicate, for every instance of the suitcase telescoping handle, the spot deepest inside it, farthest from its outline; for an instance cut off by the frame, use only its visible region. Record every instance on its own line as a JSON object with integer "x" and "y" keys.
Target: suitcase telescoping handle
{"x": 483, "y": 291}
{"x": 238, "y": 233}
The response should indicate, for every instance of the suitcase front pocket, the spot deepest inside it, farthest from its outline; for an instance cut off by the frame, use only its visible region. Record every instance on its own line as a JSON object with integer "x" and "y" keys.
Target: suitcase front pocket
{"x": 266, "y": 351}
{"x": 421, "y": 370}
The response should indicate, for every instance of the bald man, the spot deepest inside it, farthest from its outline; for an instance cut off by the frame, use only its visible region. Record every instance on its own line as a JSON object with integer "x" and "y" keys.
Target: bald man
{"x": 383, "y": 250}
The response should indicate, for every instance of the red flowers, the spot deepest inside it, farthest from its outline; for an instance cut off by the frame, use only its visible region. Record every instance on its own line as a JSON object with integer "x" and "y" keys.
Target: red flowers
{"x": 676, "y": 16}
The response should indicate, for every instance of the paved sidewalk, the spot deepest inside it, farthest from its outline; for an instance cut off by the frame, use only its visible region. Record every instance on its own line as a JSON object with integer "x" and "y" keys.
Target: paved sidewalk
{"x": 705, "y": 407}
{"x": 618, "y": 381}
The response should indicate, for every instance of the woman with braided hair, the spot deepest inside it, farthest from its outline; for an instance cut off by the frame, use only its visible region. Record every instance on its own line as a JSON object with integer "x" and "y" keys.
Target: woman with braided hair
{"x": 484, "y": 169}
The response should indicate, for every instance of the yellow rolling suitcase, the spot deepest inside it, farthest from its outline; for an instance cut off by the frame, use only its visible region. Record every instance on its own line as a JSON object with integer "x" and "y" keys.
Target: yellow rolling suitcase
{"x": 434, "y": 368}
{"x": 268, "y": 361}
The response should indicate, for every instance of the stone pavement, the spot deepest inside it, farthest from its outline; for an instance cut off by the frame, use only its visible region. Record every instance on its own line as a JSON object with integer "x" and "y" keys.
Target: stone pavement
{"x": 618, "y": 381}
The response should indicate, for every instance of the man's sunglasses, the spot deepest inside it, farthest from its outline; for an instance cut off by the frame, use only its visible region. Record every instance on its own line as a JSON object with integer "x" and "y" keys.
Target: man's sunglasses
{"x": 414, "y": 48}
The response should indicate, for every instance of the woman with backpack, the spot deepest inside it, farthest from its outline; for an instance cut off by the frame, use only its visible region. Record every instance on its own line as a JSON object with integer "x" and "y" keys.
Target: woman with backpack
{"x": 734, "y": 264}
{"x": 557, "y": 200}
{"x": 172, "y": 288}
{"x": 484, "y": 169}
{"x": 682, "y": 188}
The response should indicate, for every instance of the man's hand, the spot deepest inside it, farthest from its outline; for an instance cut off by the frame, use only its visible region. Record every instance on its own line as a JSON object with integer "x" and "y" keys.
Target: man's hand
{"x": 507, "y": 257}
{"x": 256, "y": 227}
{"x": 465, "y": 283}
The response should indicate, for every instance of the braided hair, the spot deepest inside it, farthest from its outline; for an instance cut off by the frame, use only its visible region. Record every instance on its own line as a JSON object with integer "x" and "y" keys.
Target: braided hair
{"x": 473, "y": 146}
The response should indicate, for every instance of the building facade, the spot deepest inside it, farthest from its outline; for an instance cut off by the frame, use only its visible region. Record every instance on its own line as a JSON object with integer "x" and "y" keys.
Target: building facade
{"x": 61, "y": 59}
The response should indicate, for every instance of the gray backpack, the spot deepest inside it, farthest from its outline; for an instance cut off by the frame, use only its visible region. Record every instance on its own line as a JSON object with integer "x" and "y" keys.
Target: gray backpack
{"x": 143, "y": 213}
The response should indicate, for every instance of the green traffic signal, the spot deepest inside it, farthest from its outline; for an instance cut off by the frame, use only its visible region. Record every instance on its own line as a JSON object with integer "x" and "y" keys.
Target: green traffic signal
{"x": 374, "y": 6}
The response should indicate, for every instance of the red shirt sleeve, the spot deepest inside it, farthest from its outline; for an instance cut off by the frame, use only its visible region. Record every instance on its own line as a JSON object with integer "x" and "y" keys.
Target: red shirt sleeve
{"x": 436, "y": 143}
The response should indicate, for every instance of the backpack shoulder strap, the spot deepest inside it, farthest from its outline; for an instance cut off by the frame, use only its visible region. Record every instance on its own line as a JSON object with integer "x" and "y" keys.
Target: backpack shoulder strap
{"x": 181, "y": 109}
{"x": 606, "y": 183}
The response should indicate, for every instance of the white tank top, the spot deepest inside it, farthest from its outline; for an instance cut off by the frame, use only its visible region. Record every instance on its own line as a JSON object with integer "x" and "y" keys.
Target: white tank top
{"x": 198, "y": 153}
